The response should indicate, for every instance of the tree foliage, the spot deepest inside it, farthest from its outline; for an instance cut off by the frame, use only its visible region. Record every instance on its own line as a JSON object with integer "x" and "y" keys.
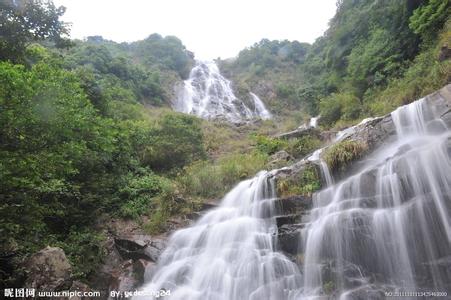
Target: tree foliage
{"x": 25, "y": 21}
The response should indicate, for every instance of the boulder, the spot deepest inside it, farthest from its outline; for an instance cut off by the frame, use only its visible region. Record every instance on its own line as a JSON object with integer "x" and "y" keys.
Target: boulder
{"x": 140, "y": 247}
{"x": 48, "y": 270}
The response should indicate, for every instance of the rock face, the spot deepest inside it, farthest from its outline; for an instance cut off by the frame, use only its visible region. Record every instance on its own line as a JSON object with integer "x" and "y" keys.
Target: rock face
{"x": 48, "y": 270}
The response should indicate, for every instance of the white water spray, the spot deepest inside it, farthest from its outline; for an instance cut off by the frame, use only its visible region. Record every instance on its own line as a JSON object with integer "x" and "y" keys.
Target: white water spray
{"x": 230, "y": 252}
{"x": 387, "y": 227}
{"x": 209, "y": 95}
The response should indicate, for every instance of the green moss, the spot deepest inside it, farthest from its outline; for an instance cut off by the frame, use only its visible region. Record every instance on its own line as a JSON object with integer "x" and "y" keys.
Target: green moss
{"x": 329, "y": 287}
{"x": 341, "y": 154}
{"x": 306, "y": 183}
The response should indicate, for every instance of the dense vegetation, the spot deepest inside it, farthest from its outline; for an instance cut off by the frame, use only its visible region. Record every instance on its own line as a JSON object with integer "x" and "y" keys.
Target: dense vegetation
{"x": 375, "y": 56}
{"x": 86, "y": 135}
{"x": 77, "y": 141}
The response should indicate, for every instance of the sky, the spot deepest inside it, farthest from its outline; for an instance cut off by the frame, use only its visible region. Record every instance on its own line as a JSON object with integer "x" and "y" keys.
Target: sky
{"x": 209, "y": 28}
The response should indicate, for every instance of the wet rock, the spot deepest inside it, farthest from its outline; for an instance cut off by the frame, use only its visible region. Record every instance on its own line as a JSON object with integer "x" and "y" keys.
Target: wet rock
{"x": 289, "y": 238}
{"x": 292, "y": 204}
{"x": 287, "y": 219}
{"x": 48, "y": 270}
{"x": 328, "y": 136}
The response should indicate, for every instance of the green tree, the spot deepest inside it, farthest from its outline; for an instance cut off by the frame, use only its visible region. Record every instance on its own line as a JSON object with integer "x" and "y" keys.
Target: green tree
{"x": 428, "y": 19}
{"x": 177, "y": 141}
{"x": 26, "y": 21}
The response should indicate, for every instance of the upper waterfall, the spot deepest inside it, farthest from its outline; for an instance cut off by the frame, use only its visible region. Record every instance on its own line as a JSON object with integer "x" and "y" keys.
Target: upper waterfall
{"x": 209, "y": 95}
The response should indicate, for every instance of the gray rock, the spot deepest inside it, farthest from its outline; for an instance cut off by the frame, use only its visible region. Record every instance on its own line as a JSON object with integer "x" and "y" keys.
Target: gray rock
{"x": 48, "y": 270}
{"x": 289, "y": 239}
{"x": 292, "y": 205}
{"x": 140, "y": 247}
{"x": 298, "y": 132}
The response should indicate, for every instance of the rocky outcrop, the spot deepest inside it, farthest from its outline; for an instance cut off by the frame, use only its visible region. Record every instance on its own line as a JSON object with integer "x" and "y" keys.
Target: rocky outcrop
{"x": 279, "y": 159}
{"x": 140, "y": 247}
{"x": 48, "y": 270}
{"x": 297, "y": 133}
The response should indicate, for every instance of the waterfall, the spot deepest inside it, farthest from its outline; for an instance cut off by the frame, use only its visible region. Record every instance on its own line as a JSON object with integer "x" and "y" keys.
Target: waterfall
{"x": 209, "y": 95}
{"x": 313, "y": 123}
{"x": 259, "y": 108}
{"x": 388, "y": 227}
{"x": 230, "y": 252}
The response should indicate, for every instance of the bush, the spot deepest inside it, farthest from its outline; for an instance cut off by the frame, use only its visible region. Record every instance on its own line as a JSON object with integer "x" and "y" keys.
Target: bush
{"x": 137, "y": 194}
{"x": 330, "y": 110}
{"x": 84, "y": 250}
{"x": 177, "y": 140}
{"x": 338, "y": 106}
{"x": 268, "y": 145}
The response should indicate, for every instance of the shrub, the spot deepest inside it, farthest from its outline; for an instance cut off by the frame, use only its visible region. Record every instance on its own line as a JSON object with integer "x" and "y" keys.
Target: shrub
{"x": 269, "y": 145}
{"x": 176, "y": 141}
{"x": 138, "y": 193}
{"x": 330, "y": 110}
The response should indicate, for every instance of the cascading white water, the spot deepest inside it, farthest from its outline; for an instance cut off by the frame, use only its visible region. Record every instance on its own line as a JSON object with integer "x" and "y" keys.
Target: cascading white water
{"x": 389, "y": 226}
{"x": 230, "y": 252}
{"x": 260, "y": 110}
{"x": 209, "y": 95}
{"x": 313, "y": 122}
{"x": 386, "y": 228}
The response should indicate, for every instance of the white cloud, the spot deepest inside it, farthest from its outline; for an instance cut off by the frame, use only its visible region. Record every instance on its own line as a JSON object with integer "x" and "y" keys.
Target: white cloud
{"x": 210, "y": 28}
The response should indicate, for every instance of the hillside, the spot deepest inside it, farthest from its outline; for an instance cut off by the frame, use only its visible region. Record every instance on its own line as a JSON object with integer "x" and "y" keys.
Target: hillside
{"x": 89, "y": 139}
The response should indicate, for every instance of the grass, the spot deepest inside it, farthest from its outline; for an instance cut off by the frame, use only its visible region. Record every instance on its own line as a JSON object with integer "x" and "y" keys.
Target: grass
{"x": 340, "y": 155}
{"x": 211, "y": 179}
